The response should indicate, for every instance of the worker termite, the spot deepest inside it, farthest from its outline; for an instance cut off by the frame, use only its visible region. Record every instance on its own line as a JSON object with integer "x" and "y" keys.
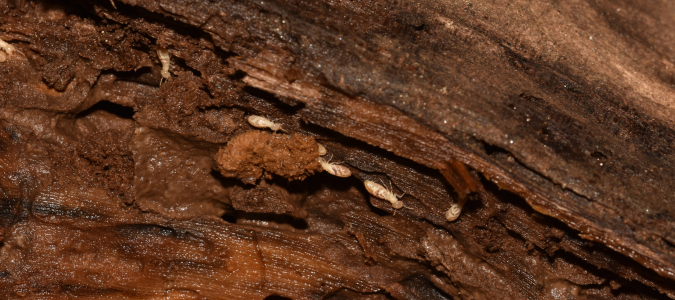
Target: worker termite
{"x": 383, "y": 193}
{"x": 322, "y": 150}
{"x": 165, "y": 59}
{"x": 7, "y": 48}
{"x": 334, "y": 169}
{"x": 455, "y": 209}
{"x": 453, "y": 213}
{"x": 262, "y": 122}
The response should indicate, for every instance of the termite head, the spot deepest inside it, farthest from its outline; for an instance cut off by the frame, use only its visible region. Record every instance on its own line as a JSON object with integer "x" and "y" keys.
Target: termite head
{"x": 275, "y": 127}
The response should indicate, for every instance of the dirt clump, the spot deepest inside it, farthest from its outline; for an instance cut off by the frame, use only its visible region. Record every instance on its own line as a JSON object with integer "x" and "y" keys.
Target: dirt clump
{"x": 246, "y": 156}
{"x": 174, "y": 176}
{"x": 268, "y": 197}
{"x": 259, "y": 199}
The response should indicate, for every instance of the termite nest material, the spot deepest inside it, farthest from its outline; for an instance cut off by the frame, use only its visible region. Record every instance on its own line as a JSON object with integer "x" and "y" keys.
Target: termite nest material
{"x": 253, "y": 153}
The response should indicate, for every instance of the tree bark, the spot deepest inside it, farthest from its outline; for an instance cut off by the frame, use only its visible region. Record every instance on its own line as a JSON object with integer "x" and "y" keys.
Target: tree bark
{"x": 550, "y": 124}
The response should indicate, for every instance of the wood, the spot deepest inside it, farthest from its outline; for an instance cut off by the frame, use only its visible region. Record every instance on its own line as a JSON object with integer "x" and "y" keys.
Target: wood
{"x": 552, "y": 121}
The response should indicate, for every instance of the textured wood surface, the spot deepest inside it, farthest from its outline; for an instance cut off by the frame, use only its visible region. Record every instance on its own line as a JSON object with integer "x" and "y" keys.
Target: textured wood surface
{"x": 550, "y": 122}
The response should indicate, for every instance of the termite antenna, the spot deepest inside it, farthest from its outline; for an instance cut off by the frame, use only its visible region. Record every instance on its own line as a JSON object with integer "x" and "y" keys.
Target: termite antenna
{"x": 382, "y": 182}
{"x": 391, "y": 189}
{"x": 398, "y": 205}
{"x": 335, "y": 163}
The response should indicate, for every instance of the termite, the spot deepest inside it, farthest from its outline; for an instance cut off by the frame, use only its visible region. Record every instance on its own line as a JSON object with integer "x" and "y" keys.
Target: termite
{"x": 334, "y": 169}
{"x": 7, "y": 48}
{"x": 455, "y": 209}
{"x": 262, "y": 122}
{"x": 322, "y": 150}
{"x": 453, "y": 213}
{"x": 383, "y": 193}
{"x": 165, "y": 59}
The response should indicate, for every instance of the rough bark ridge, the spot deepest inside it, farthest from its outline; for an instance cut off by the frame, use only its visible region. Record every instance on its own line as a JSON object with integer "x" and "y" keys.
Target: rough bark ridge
{"x": 551, "y": 123}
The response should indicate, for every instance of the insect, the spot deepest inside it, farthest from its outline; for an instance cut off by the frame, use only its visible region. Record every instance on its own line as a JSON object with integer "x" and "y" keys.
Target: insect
{"x": 334, "y": 169}
{"x": 165, "y": 59}
{"x": 322, "y": 150}
{"x": 453, "y": 213}
{"x": 262, "y": 122}
{"x": 383, "y": 193}
{"x": 7, "y": 48}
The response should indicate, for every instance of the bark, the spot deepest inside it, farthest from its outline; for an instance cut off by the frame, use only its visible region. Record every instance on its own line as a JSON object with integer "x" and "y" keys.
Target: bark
{"x": 549, "y": 123}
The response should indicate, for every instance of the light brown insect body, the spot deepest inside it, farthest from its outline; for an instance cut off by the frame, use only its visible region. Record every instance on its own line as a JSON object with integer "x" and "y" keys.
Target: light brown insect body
{"x": 383, "y": 193}
{"x": 165, "y": 59}
{"x": 7, "y": 48}
{"x": 335, "y": 169}
{"x": 262, "y": 122}
{"x": 453, "y": 213}
{"x": 322, "y": 150}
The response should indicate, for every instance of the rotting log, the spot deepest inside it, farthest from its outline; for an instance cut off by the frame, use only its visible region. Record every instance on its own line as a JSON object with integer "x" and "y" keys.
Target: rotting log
{"x": 550, "y": 122}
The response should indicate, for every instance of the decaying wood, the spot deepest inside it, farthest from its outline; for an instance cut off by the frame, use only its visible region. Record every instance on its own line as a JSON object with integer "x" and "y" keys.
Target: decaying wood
{"x": 550, "y": 123}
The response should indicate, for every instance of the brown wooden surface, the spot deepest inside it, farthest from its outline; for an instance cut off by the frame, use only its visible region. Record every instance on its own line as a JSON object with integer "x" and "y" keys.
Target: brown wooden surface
{"x": 555, "y": 119}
